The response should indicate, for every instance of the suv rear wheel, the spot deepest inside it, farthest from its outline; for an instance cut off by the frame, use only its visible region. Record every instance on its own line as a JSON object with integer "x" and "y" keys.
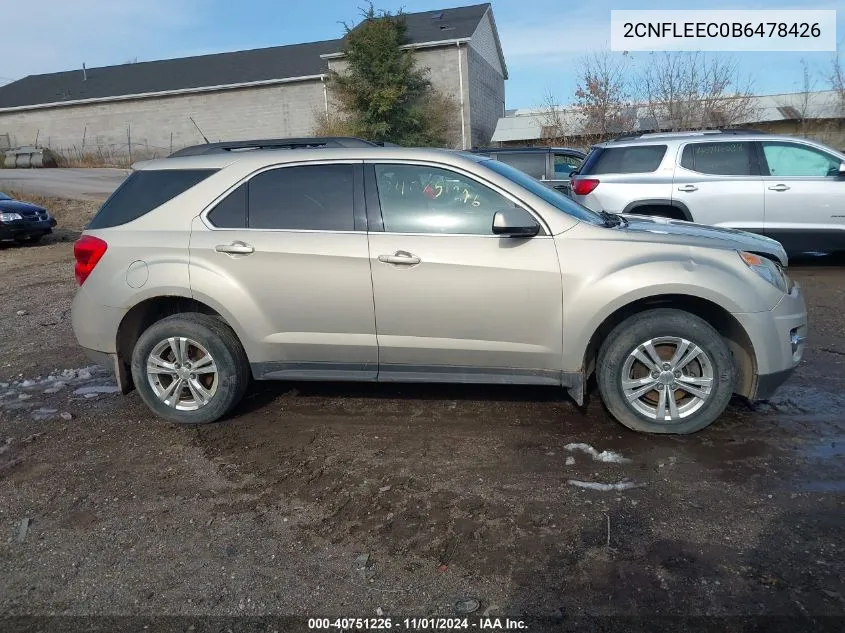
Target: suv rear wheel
{"x": 665, "y": 371}
{"x": 190, "y": 368}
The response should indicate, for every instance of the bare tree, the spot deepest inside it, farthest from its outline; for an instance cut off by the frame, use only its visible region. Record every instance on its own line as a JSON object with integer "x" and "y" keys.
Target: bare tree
{"x": 604, "y": 95}
{"x": 837, "y": 81}
{"x": 800, "y": 107}
{"x": 687, "y": 91}
{"x": 553, "y": 128}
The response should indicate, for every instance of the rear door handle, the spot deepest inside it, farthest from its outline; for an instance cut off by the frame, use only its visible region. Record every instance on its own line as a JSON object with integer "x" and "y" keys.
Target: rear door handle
{"x": 688, "y": 188}
{"x": 779, "y": 188}
{"x": 235, "y": 248}
{"x": 400, "y": 257}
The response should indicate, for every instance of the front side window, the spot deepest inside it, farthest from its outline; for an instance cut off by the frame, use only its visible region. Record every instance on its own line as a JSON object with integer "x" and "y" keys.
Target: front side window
{"x": 550, "y": 196}
{"x": 422, "y": 199}
{"x": 566, "y": 164}
{"x": 791, "y": 159}
{"x": 719, "y": 159}
{"x": 305, "y": 197}
{"x": 532, "y": 163}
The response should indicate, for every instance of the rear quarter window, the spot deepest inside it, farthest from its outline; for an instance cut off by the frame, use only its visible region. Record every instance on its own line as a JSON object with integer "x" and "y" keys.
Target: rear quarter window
{"x": 532, "y": 163}
{"x": 640, "y": 159}
{"x": 144, "y": 191}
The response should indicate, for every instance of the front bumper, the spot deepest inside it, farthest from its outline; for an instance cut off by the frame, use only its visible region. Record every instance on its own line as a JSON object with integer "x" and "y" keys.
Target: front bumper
{"x": 779, "y": 338}
{"x": 22, "y": 228}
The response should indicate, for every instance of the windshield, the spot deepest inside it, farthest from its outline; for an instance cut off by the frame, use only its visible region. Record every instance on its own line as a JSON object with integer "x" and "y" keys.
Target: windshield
{"x": 554, "y": 198}
{"x": 3, "y": 196}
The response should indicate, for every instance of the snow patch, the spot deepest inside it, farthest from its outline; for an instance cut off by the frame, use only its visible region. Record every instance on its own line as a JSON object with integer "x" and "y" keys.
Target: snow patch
{"x": 604, "y": 456}
{"x": 95, "y": 389}
{"x": 594, "y": 485}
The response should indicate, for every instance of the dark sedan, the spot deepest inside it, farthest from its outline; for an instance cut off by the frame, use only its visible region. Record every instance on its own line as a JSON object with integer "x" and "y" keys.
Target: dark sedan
{"x": 23, "y": 221}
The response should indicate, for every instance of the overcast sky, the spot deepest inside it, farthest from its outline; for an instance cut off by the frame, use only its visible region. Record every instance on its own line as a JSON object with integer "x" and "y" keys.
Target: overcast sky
{"x": 542, "y": 39}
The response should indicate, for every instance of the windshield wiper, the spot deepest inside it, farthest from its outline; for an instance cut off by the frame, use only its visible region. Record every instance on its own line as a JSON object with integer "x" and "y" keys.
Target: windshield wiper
{"x": 612, "y": 219}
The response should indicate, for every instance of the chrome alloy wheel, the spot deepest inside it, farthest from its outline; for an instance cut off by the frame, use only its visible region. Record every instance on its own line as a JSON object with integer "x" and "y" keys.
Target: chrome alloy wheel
{"x": 182, "y": 373}
{"x": 667, "y": 379}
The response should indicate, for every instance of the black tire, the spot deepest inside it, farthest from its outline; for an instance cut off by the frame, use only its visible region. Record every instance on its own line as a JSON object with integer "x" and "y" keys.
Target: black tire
{"x": 624, "y": 339}
{"x": 220, "y": 341}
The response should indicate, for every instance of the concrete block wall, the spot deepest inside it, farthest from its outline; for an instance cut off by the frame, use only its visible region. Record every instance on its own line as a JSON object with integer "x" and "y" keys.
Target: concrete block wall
{"x": 258, "y": 112}
{"x": 486, "y": 96}
{"x": 442, "y": 63}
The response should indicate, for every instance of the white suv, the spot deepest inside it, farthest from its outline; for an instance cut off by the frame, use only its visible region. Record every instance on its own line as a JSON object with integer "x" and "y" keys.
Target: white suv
{"x": 789, "y": 189}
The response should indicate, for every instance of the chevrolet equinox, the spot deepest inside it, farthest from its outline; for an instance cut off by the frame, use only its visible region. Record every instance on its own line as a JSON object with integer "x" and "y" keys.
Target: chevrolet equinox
{"x": 341, "y": 260}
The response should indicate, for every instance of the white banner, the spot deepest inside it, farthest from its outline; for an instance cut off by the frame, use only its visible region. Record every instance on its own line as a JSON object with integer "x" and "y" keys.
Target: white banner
{"x": 723, "y": 30}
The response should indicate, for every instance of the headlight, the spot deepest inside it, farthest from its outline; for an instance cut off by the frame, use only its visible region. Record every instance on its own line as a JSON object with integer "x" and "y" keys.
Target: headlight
{"x": 767, "y": 269}
{"x": 8, "y": 217}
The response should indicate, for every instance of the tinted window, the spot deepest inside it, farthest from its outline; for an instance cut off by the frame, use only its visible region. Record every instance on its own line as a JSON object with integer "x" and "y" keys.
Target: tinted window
{"x": 418, "y": 199}
{"x": 719, "y": 159}
{"x": 3, "y": 196}
{"x": 143, "y": 191}
{"x": 533, "y": 164}
{"x": 789, "y": 159}
{"x": 565, "y": 164}
{"x": 230, "y": 212}
{"x": 624, "y": 160}
{"x": 315, "y": 197}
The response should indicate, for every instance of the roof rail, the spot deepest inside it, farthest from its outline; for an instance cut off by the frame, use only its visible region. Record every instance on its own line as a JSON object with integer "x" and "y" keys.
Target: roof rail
{"x": 630, "y": 135}
{"x": 272, "y": 143}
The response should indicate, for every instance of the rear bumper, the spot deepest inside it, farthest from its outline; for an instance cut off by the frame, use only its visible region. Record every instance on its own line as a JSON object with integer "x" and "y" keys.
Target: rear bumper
{"x": 94, "y": 325}
{"x": 779, "y": 338}
{"x": 11, "y": 230}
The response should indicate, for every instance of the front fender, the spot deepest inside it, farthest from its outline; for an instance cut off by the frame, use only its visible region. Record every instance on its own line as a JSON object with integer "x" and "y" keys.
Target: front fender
{"x": 632, "y": 274}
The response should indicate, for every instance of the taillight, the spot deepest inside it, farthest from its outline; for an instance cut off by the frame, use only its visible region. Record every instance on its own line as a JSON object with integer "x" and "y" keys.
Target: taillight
{"x": 87, "y": 250}
{"x": 583, "y": 186}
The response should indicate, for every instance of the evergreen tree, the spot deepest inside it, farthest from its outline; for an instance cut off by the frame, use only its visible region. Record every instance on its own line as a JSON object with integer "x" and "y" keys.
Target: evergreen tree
{"x": 381, "y": 94}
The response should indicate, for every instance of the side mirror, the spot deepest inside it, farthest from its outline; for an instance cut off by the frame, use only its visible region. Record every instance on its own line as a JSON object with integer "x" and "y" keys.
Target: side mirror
{"x": 516, "y": 222}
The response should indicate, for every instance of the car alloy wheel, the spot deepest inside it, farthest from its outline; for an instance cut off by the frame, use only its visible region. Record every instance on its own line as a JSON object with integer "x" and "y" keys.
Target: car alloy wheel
{"x": 182, "y": 373}
{"x": 667, "y": 379}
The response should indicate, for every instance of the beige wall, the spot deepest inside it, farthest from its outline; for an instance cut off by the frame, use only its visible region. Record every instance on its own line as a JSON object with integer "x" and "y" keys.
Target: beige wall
{"x": 259, "y": 112}
{"x": 828, "y": 131}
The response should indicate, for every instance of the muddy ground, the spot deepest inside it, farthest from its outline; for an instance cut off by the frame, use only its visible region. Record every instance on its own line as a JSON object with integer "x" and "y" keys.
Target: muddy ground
{"x": 448, "y": 492}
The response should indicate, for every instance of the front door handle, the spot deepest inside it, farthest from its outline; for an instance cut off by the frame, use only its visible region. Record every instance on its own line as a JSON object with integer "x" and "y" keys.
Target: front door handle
{"x": 688, "y": 188}
{"x": 400, "y": 257}
{"x": 779, "y": 188}
{"x": 235, "y": 248}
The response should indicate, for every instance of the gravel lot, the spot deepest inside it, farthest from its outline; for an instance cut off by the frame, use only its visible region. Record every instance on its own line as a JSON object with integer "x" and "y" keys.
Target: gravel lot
{"x": 343, "y": 499}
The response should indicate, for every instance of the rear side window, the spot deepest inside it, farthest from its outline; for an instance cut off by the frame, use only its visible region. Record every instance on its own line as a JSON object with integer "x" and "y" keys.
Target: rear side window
{"x": 143, "y": 191}
{"x": 718, "y": 159}
{"x": 230, "y": 212}
{"x": 533, "y": 164}
{"x": 307, "y": 197}
{"x": 640, "y": 159}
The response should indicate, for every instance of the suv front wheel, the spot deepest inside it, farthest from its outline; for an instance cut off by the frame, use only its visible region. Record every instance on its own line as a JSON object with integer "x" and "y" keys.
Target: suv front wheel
{"x": 665, "y": 371}
{"x": 190, "y": 368}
